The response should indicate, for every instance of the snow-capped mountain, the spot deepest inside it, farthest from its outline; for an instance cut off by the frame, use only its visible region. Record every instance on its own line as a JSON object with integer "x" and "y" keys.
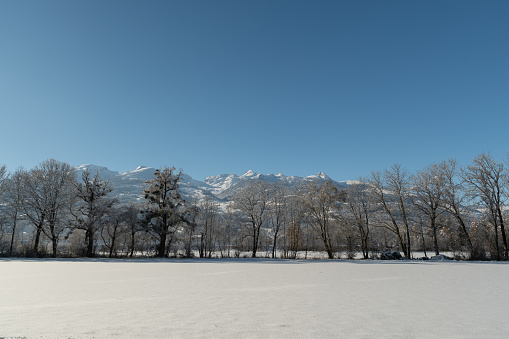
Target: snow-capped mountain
{"x": 104, "y": 172}
{"x": 128, "y": 186}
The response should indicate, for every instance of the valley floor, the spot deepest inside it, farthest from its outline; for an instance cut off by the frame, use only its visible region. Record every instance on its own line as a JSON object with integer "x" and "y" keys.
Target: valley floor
{"x": 252, "y": 298}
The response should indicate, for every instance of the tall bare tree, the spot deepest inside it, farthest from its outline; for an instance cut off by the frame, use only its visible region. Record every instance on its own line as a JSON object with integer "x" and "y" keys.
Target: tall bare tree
{"x": 321, "y": 202}
{"x": 209, "y": 222}
{"x": 114, "y": 227}
{"x": 3, "y": 214}
{"x": 253, "y": 201}
{"x": 34, "y": 202}
{"x": 48, "y": 192}
{"x": 278, "y": 213}
{"x": 294, "y": 234}
{"x": 61, "y": 179}
{"x": 487, "y": 180}
{"x": 133, "y": 226}
{"x": 454, "y": 199}
{"x": 13, "y": 195}
{"x": 229, "y": 219}
{"x": 360, "y": 205}
{"x": 427, "y": 196}
{"x": 391, "y": 192}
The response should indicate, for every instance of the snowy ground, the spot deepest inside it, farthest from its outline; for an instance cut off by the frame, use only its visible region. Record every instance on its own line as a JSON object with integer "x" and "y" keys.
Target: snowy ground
{"x": 252, "y": 298}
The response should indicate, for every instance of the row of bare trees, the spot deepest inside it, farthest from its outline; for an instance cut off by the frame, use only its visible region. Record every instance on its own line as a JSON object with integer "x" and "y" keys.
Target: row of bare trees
{"x": 46, "y": 204}
{"x": 48, "y": 211}
{"x": 443, "y": 207}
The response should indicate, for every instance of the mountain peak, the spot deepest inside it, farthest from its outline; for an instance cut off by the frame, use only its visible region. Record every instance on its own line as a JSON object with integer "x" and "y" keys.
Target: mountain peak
{"x": 249, "y": 173}
{"x": 320, "y": 175}
{"x": 104, "y": 172}
{"x": 323, "y": 175}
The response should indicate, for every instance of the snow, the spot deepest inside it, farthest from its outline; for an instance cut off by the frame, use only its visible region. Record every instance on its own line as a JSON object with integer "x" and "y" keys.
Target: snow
{"x": 104, "y": 172}
{"x": 319, "y": 176}
{"x": 249, "y": 175}
{"x": 141, "y": 173}
{"x": 128, "y": 186}
{"x": 252, "y": 298}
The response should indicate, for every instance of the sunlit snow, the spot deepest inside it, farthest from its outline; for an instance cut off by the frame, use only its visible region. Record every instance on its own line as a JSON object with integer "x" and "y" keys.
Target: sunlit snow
{"x": 252, "y": 298}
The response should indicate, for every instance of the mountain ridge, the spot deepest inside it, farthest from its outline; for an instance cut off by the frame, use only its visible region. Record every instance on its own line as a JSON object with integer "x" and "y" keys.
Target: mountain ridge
{"x": 128, "y": 186}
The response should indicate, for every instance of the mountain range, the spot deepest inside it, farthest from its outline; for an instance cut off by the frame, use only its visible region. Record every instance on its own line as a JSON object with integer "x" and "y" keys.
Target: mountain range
{"x": 128, "y": 186}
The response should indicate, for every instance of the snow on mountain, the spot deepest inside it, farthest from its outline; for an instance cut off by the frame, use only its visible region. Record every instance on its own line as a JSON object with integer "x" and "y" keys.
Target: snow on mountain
{"x": 319, "y": 176}
{"x": 104, "y": 172}
{"x": 128, "y": 186}
{"x": 250, "y": 175}
{"x": 141, "y": 172}
{"x": 227, "y": 185}
{"x": 222, "y": 182}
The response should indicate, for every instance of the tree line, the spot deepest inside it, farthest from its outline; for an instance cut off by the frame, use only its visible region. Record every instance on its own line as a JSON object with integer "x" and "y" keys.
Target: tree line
{"x": 444, "y": 207}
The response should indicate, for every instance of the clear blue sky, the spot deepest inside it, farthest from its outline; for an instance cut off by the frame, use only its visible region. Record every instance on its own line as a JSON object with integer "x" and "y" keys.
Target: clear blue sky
{"x": 343, "y": 87}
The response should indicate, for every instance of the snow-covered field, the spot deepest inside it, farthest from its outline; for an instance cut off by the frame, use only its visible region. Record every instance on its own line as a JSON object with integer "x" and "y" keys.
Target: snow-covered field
{"x": 252, "y": 298}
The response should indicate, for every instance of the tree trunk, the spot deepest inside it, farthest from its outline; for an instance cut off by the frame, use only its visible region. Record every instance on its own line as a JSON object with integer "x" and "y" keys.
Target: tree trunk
{"x": 255, "y": 240}
{"x": 329, "y": 251}
{"x": 408, "y": 242}
{"x": 37, "y": 239}
{"x": 54, "y": 245}
{"x": 495, "y": 226}
{"x": 112, "y": 246}
{"x": 161, "y": 248}
{"x": 274, "y": 245}
{"x": 13, "y": 232}
{"x": 132, "y": 244}
{"x": 435, "y": 237}
{"x": 402, "y": 243}
{"x": 502, "y": 231}
{"x": 90, "y": 245}
{"x": 202, "y": 245}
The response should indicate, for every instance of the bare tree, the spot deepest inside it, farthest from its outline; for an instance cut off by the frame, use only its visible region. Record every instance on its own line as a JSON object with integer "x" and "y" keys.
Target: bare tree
{"x": 360, "y": 205}
{"x": 487, "y": 181}
{"x": 61, "y": 179}
{"x": 93, "y": 206}
{"x": 208, "y": 217}
{"x": 229, "y": 219}
{"x": 3, "y": 213}
{"x": 190, "y": 228}
{"x": 278, "y": 213}
{"x": 115, "y": 226}
{"x": 48, "y": 192}
{"x": 253, "y": 201}
{"x": 294, "y": 234}
{"x": 428, "y": 193}
{"x": 321, "y": 202}
{"x": 13, "y": 195}
{"x": 391, "y": 191}
{"x": 133, "y": 226}
{"x": 454, "y": 200}
{"x": 34, "y": 202}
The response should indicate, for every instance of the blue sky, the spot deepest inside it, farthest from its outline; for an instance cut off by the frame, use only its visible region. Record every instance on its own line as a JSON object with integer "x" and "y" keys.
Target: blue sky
{"x": 298, "y": 87}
